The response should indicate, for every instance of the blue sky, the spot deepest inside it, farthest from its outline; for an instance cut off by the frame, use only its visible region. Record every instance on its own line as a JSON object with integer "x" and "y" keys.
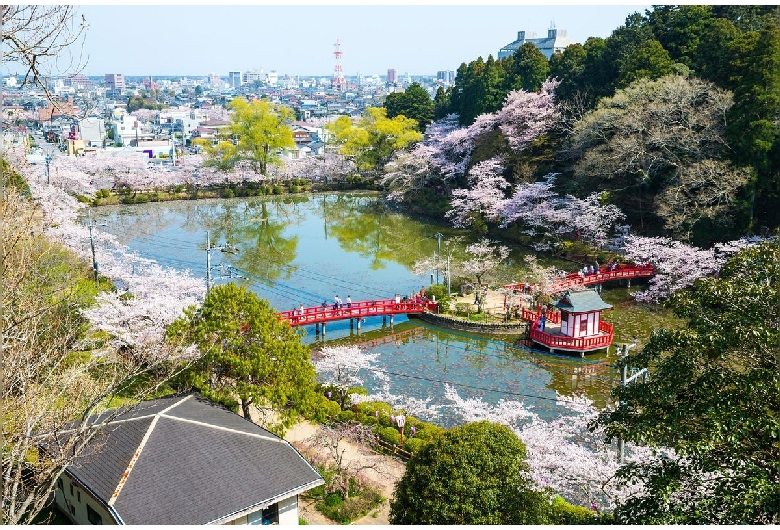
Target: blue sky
{"x": 196, "y": 40}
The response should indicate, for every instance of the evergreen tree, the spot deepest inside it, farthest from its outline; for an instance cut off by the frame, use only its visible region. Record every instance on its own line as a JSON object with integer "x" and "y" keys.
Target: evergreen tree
{"x": 711, "y": 396}
{"x": 414, "y": 103}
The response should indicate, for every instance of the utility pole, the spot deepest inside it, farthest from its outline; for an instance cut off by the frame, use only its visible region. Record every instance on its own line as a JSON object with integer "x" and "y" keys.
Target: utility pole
{"x": 227, "y": 247}
{"x": 438, "y": 235}
{"x": 624, "y": 381}
{"x": 92, "y": 225}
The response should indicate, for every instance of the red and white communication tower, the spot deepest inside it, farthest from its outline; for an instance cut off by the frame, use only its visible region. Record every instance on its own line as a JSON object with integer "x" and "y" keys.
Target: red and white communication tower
{"x": 338, "y": 82}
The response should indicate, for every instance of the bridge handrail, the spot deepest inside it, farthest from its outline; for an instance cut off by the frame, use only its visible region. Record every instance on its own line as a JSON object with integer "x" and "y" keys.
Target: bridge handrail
{"x": 574, "y": 279}
{"x": 364, "y": 308}
{"x": 602, "y": 340}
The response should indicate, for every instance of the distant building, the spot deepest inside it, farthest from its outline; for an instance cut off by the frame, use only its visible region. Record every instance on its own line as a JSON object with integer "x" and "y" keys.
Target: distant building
{"x": 253, "y": 76}
{"x": 234, "y": 79}
{"x": 445, "y": 76}
{"x": 78, "y": 81}
{"x": 392, "y": 76}
{"x": 115, "y": 82}
{"x": 556, "y": 41}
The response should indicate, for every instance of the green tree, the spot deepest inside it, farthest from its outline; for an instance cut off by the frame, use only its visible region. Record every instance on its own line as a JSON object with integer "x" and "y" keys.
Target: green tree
{"x": 529, "y": 69}
{"x": 51, "y": 380}
{"x": 568, "y": 67}
{"x": 414, "y": 103}
{"x": 712, "y": 397}
{"x": 258, "y": 131}
{"x": 658, "y": 147}
{"x": 754, "y": 126}
{"x": 441, "y": 103}
{"x": 373, "y": 140}
{"x": 247, "y": 352}
{"x": 648, "y": 60}
{"x": 473, "y": 474}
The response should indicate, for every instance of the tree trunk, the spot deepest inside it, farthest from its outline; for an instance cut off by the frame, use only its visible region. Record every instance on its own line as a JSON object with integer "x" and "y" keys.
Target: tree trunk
{"x": 245, "y": 403}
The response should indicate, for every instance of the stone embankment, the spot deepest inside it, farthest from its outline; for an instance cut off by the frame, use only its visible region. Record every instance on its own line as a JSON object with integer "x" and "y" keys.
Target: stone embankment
{"x": 497, "y": 328}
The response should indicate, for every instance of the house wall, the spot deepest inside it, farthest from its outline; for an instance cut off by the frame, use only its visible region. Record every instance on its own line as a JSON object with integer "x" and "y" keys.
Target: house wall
{"x": 288, "y": 511}
{"x": 592, "y": 326}
{"x": 74, "y": 505}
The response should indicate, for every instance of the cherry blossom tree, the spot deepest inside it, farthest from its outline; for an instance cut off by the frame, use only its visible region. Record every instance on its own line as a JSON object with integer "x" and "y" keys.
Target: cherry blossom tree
{"x": 485, "y": 258}
{"x": 677, "y": 264}
{"x": 526, "y": 116}
{"x": 340, "y": 367}
{"x": 485, "y": 194}
{"x": 329, "y": 447}
{"x": 408, "y": 172}
{"x": 563, "y": 453}
{"x": 418, "y": 407}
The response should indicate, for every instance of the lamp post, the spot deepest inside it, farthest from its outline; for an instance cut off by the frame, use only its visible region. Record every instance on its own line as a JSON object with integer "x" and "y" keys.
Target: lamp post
{"x": 400, "y": 420}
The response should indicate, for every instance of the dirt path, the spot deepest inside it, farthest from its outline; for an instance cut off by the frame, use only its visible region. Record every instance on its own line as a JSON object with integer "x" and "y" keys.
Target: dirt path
{"x": 389, "y": 473}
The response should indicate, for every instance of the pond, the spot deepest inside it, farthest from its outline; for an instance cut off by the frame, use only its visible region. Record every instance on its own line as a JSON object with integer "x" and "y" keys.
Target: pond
{"x": 307, "y": 249}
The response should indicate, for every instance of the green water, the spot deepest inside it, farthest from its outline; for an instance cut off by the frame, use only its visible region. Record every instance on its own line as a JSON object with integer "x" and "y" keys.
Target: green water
{"x": 307, "y": 249}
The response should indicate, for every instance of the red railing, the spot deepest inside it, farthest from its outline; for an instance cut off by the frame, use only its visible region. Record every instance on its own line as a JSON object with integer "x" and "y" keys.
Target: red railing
{"x": 603, "y": 275}
{"x": 366, "y": 308}
{"x": 562, "y": 342}
{"x": 533, "y": 316}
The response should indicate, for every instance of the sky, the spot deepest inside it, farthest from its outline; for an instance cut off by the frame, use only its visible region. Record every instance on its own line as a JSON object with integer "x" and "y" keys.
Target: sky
{"x": 197, "y": 40}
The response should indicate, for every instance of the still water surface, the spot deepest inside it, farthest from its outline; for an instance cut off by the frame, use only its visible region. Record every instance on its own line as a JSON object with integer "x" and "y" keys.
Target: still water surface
{"x": 307, "y": 249}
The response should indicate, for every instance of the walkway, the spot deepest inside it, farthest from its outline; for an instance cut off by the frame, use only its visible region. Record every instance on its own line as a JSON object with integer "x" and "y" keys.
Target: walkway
{"x": 356, "y": 310}
{"x": 622, "y": 272}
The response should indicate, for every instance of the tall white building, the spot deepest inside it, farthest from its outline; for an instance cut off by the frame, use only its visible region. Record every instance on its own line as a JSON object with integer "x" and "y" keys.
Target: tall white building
{"x": 556, "y": 41}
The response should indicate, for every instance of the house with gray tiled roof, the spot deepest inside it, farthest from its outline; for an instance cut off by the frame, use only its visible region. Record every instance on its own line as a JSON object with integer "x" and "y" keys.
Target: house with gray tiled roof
{"x": 184, "y": 460}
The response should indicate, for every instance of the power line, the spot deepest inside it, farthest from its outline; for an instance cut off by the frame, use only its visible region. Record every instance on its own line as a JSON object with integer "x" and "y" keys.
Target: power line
{"x": 463, "y": 385}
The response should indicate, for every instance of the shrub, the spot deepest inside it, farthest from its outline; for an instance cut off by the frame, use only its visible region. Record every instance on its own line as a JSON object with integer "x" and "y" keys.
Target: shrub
{"x": 389, "y": 435}
{"x": 561, "y": 512}
{"x": 414, "y": 444}
{"x": 345, "y": 415}
{"x": 463, "y": 308}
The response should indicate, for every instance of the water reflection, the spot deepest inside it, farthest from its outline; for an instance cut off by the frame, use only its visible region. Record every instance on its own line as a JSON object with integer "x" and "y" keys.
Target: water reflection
{"x": 306, "y": 249}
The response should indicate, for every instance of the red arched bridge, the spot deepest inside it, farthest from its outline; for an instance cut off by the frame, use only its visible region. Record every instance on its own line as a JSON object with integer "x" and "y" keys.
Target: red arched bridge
{"x": 322, "y": 314}
{"x": 604, "y": 274}
{"x": 358, "y": 310}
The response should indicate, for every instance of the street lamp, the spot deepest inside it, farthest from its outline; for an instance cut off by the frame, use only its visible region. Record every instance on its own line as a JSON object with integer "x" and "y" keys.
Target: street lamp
{"x": 400, "y": 420}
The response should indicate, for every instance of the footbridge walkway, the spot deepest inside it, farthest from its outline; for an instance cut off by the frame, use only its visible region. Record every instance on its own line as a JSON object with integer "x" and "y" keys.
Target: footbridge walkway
{"x": 357, "y": 310}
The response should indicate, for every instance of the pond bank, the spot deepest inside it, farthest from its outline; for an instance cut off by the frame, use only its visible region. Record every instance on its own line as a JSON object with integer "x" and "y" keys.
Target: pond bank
{"x": 450, "y": 322}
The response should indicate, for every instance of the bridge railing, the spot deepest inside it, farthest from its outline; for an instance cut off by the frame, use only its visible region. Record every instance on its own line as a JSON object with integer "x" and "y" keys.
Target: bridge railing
{"x": 362, "y": 309}
{"x": 562, "y": 342}
{"x": 533, "y": 316}
{"x": 603, "y": 275}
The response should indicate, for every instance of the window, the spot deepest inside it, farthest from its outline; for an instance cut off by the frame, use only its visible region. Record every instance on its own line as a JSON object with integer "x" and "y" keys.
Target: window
{"x": 93, "y": 516}
{"x": 271, "y": 514}
{"x": 78, "y": 495}
{"x": 59, "y": 484}
{"x": 583, "y": 326}
{"x": 71, "y": 489}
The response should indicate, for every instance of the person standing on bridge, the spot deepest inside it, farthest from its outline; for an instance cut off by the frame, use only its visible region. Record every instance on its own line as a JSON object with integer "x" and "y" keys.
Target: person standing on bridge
{"x": 337, "y": 304}
{"x": 349, "y": 301}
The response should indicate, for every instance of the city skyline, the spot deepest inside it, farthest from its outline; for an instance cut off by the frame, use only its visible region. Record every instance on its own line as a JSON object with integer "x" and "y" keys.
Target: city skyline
{"x": 185, "y": 40}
